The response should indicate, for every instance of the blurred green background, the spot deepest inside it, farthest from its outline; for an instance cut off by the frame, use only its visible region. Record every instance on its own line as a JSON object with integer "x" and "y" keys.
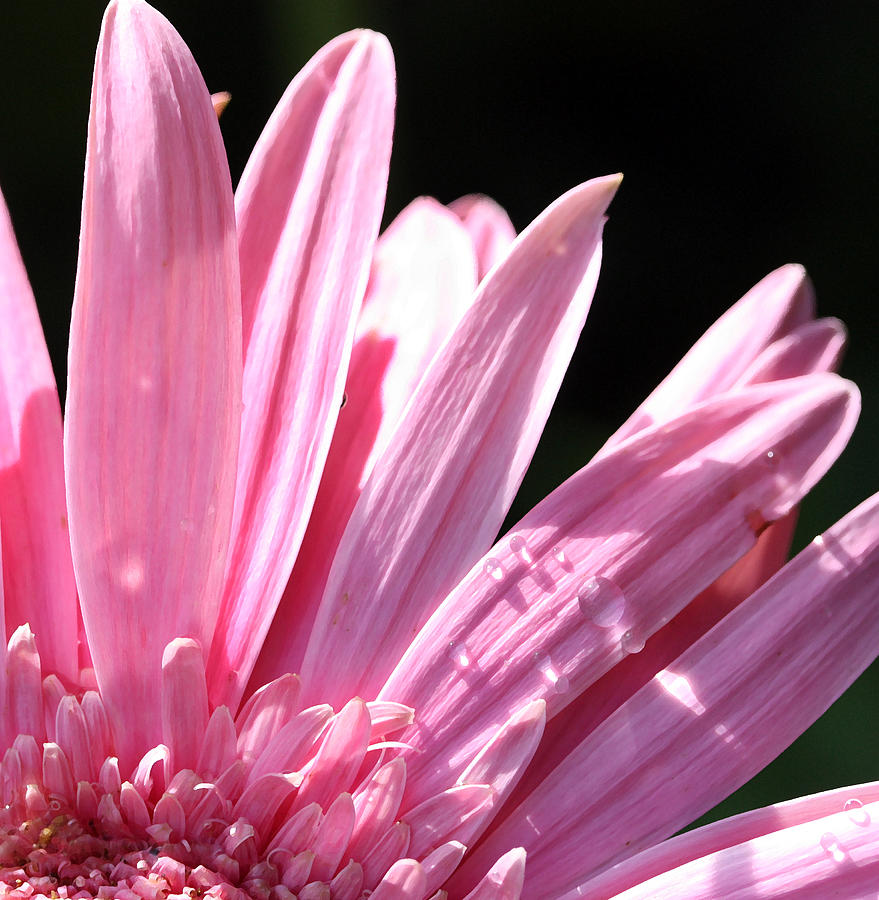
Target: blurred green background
{"x": 747, "y": 133}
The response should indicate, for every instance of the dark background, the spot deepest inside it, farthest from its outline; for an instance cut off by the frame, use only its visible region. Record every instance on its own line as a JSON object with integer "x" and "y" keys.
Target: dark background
{"x": 747, "y": 133}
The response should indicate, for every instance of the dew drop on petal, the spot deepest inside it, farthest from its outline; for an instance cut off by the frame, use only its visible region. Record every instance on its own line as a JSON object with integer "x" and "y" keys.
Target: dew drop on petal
{"x": 856, "y": 812}
{"x": 459, "y": 655}
{"x": 493, "y": 569}
{"x": 832, "y": 847}
{"x": 559, "y": 555}
{"x": 601, "y": 601}
{"x": 631, "y": 641}
{"x": 771, "y": 458}
{"x": 520, "y": 548}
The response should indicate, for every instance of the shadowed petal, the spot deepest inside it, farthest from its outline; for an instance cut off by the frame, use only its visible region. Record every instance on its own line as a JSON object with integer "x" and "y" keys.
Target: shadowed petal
{"x": 686, "y": 740}
{"x": 611, "y": 557}
{"x": 309, "y": 207}
{"x": 422, "y": 280}
{"x": 640, "y": 871}
{"x": 490, "y": 229}
{"x": 439, "y": 493}
{"x": 504, "y": 880}
{"x": 37, "y": 571}
{"x": 151, "y": 437}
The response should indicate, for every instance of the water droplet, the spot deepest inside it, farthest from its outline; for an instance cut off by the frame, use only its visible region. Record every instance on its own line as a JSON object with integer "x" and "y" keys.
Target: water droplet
{"x": 187, "y": 525}
{"x": 631, "y": 642}
{"x": 493, "y": 569}
{"x": 559, "y": 555}
{"x": 554, "y": 679}
{"x": 856, "y": 812}
{"x": 520, "y": 548}
{"x": 601, "y": 601}
{"x": 833, "y": 848}
{"x": 459, "y": 655}
{"x": 771, "y": 458}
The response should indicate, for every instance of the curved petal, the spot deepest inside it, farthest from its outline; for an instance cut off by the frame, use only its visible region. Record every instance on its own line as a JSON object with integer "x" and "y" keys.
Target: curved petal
{"x": 608, "y": 558}
{"x": 37, "y": 570}
{"x": 422, "y": 280}
{"x": 155, "y": 366}
{"x": 309, "y": 207}
{"x": 490, "y": 229}
{"x": 504, "y": 880}
{"x": 640, "y": 870}
{"x": 441, "y": 490}
{"x": 777, "y": 304}
{"x": 686, "y": 740}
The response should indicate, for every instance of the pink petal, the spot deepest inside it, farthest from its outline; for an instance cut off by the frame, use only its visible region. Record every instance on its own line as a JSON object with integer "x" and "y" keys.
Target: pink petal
{"x": 309, "y": 206}
{"x": 813, "y": 347}
{"x": 782, "y": 301}
{"x": 23, "y": 709}
{"x": 288, "y": 749}
{"x": 642, "y": 531}
{"x": 392, "y": 845}
{"x": 490, "y": 229}
{"x": 218, "y": 749}
{"x": 458, "y": 813}
{"x": 37, "y": 575}
{"x": 442, "y": 489}
{"x": 184, "y": 702}
{"x": 332, "y": 837}
{"x": 376, "y": 804}
{"x": 422, "y": 280}
{"x": 265, "y": 713}
{"x": 504, "y": 880}
{"x": 686, "y": 740}
{"x": 440, "y": 864}
{"x": 736, "y": 832}
{"x": 405, "y": 880}
{"x": 151, "y": 436}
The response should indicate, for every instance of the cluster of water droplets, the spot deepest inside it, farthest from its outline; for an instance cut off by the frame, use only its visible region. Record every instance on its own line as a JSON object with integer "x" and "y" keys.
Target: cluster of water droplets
{"x": 831, "y": 844}
{"x": 601, "y": 603}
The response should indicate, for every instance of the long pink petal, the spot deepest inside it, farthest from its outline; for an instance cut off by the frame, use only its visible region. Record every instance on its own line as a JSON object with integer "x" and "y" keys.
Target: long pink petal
{"x": 687, "y": 739}
{"x": 712, "y": 839}
{"x": 438, "y": 495}
{"x": 504, "y": 880}
{"x": 37, "y": 570}
{"x": 155, "y": 366}
{"x": 422, "y": 280}
{"x": 490, "y": 229}
{"x": 782, "y": 301}
{"x": 309, "y": 206}
{"x": 608, "y": 558}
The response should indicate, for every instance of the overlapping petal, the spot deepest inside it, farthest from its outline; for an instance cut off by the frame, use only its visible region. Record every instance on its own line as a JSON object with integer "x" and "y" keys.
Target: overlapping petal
{"x": 37, "y": 575}
{"x": 309, "y": 206}
{"x": 441, "y": 490}
{"x": 154, "y": 391}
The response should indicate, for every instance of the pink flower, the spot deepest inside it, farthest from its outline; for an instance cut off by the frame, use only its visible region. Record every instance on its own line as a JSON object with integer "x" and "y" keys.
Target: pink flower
{"x": 578, "y": 692}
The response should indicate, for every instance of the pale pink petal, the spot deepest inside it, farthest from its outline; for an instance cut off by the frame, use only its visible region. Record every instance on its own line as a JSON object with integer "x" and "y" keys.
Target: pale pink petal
{"x": 37, "y": 574}
{"x": 490, "y": 228}
{"x": 440, "y": 864}
{"x": 440, "y": 492}
{"x": 769, "y": 821}
{"x": 218, "y": 750}
{"x": 422, "y": 280}
{"x": 458, "y": 813}
{"x": 686, "y": 740}
{"x": 504, "y": 880}
{"x": 376, "y": 804}
{"x": 348, "y": 883}
{"x": 610, "y": 557}
{"x": 309, "y": 206}
{"x": 151, "y": 437}
{"x": 597, "y": 702}
{"x": 339, "y": 757}
{"x": 71, "y": 733}
{"x": 265, "y": 713}
{"x": 392, "y": 845}
{"x": 405, "y": 880}
{"x": 782, "y": 301}
{"x": 287, "y": 750}
{"x": 23, "y": 710}
{"x": 184, "y": 702}
{"x": 813, "y": 347}
{"x": 262, "y": 799}
{"x": 332, "y": 837}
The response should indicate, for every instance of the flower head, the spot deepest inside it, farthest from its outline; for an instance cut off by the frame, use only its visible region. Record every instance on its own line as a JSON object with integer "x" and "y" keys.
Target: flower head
{"x": 576, "y": 692}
